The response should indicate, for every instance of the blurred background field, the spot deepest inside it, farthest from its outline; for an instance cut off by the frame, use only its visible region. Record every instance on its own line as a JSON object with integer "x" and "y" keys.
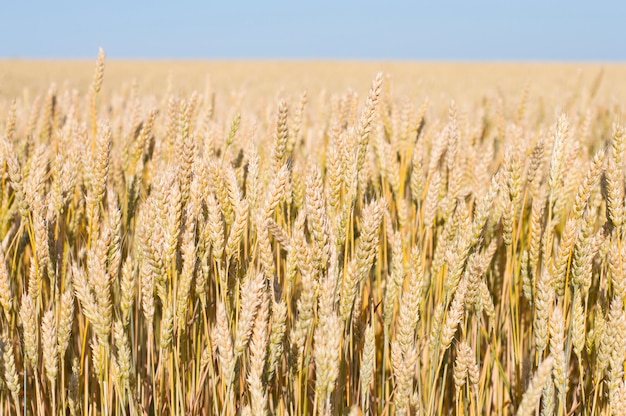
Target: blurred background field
{"x": 553, "y": 82}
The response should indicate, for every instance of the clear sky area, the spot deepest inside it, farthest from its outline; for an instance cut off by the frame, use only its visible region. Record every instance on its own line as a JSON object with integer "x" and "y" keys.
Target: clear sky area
{"x": 367, "y": 29}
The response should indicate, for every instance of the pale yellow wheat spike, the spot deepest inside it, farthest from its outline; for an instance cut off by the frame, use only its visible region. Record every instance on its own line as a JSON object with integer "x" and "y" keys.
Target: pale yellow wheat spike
{"x": 276, "y": 341}
{"x": 128, "y": 288}
{"x": 65, "y": 322}
{"x": 368, "y": 365}
{"x": 536, "y": 161}
{"x": 251, "y": 291}
{"x": 557, "y": 350}
{"x": 123, "y": 358}
{"x": 281, "y": 138}
{"x": 396, "y": 278}
{"x": 11, "y": 377}
{"x": 327, "y": 344}
{"x": 558, "y": 155}
{"x": 317, "y": 221}
{"x": 96, "y": 85}
{"x": 359, "y": 267}
{"x": 454, "y": 315}
{"x": 617, "y": 326}
{"x": 186, "y": 277}
{"x": 465, "y": 366}
{"x": 166, "y": 334}
{"x": 6, "y": 296}
{"x": 532, "y": 395}
{"x": 223, "y": 339}
{"x": 258, "y": 357}
{"x": 409, "y": 313}
{"x": 50, "y": 347}
{"x": 9, "y": 130}
{"x": 544, "y": 295}
{"x": 367, "y": 117}
{"x": 30, "y": 328}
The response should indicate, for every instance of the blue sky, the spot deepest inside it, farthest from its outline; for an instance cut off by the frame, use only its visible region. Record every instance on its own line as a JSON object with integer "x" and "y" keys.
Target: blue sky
{"x": 366, "y": 29}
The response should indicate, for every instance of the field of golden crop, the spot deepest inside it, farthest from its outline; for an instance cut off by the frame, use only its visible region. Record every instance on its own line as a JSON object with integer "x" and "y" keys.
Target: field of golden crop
{"x": 250, "y": 238}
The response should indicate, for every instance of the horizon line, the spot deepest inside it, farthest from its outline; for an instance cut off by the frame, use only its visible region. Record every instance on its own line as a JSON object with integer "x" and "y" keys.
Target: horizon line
{"x": 320, "y": 59}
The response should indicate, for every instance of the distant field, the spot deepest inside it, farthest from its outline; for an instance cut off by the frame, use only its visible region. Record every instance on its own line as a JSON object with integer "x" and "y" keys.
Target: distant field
{"x": 461, "y": 80}
{"x": 294, "y": 238}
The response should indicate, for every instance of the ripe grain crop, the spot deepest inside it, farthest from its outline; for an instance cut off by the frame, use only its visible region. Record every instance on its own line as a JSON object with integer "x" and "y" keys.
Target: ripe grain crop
{"x": 295, "y": 253}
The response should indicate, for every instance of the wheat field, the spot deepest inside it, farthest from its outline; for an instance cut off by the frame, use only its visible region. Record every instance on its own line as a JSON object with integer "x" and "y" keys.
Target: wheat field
{"x": 312, "y": 238}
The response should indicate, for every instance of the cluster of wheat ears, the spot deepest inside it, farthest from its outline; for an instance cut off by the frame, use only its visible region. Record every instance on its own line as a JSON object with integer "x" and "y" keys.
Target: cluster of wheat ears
{"x": 369, "y": 257}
